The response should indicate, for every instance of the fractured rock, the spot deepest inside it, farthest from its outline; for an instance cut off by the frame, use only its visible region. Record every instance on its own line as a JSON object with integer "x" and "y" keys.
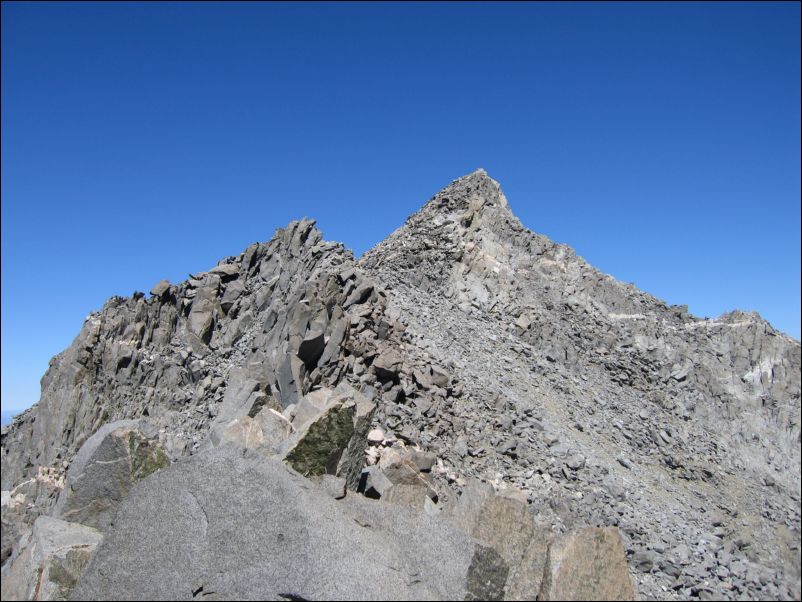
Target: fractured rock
{"x": 233, "y": 292}
{"x": 290, "y": 538}
{"x": 319, "y": 445}
{"x": 226, "y": 270}
{"x": 109, "y": 463}
{"x": 360, "y": 295}
{"x": 50, "y": 560}
{"x": 404, "y": 494}
{"x": 351, "y": 460}
{"x": 503, "y": 523}
{"x": 405, "y": 473}
{"x": 311, "y": 347}
{"x": 587, "y": 565}
{"x": 423, "y": 461}
{"x": 275, "y": 427}
{"x": 501, "y": 353}
{"x": 160, "y": 288}
{"x": 375, "y": 437}
{"x": 388, "y": 365}
{"x": 243, "y": 432}
{"x": 374, "y": 483}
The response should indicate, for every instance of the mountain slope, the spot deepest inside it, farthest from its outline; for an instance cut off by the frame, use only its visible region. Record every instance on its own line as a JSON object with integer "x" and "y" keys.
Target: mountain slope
{"x": 504, "y": 354}
{"x": 585, "y": 390}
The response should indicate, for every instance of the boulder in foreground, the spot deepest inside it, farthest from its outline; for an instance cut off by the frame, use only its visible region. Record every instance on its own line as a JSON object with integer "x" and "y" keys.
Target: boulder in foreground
{"x": 50, "y": 560}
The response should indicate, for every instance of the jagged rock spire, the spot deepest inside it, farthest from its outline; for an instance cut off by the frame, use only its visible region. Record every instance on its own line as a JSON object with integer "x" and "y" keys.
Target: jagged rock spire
{"x": 471, "y": 192}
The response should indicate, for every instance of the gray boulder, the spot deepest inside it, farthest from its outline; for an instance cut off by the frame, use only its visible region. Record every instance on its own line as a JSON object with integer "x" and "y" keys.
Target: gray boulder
{"x": 159, "y": 290}
{"x": 244, "y": 433}
{"x": 49, "y": 561}
{"x": 388, "y": 365}
{"x": 587, "y": 565}
{"x": 373, "y": 483}
{"x": 105, "y": 468}
{"x": 234, "y": 527}
{"x": 275, "y": 427}
{"x": 332, "y": 428}
{"x": 412, "y": 496}
{"x": 504, "y": 524}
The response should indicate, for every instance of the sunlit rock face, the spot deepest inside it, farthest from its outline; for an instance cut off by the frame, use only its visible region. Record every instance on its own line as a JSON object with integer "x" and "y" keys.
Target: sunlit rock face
{"x": 465, "y": 371}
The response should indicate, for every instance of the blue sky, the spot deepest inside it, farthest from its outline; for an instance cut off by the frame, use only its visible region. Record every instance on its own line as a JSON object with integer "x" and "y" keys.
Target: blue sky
{"x": 147, "y": 141}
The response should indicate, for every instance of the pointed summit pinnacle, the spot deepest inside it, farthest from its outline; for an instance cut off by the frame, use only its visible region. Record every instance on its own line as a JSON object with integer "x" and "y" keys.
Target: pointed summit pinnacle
{"x": 476, "y": 189}
{"x": 478, "y": 175}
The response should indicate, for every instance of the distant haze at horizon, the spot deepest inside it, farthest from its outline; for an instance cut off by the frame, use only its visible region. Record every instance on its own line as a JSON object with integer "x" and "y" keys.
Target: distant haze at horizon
{"x": 139, "y": 142}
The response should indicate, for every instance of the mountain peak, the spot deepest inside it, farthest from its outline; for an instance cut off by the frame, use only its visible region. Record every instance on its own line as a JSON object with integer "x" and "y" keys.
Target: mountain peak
{"x": 462, "y": 347}
{"x": 479, "y": 174}
{"x": 472, "y": 192}
{"x": 468, "y": 219}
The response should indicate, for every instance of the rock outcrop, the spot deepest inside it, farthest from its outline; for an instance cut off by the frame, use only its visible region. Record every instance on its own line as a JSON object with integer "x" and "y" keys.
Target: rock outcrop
{"x": 51, "y": 559}
{"x": 250, "y": 529}
{"x": 499, "y": 397}
{"x": 602, "y": 403}
{"x": 587, "y": 565}
{"x": 103, "y": 471}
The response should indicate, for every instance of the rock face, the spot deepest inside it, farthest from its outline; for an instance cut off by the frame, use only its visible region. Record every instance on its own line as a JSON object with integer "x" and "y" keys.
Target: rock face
{"x": 503, "y": 524}
{"x": 105, "y": 468}
{"x": 196, "y": 355}
{"x": 249, "y": 529}
{"x": 603, "y": 404}
{"x": 465, "y": 371}
{"x": 50, "y": 561}
{"x": 588, "y": 565}
{"x": 22, "y": 505}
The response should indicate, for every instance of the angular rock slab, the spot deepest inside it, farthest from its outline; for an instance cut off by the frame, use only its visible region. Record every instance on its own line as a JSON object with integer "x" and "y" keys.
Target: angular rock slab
{"x": 319, "y": 446}
{"x": 332, "y": 442}
{"x": 275, "y": 427}
{"x": 373, "y": 483}
{"x": 387, "y": 365}
{"x": 248, "y": 528}
{"x": 504, "y": 523}
{"x": 404, "y": 472}
{"x": 50, "y": 560}
{"x": 589, "y": 564}
{"x": 311, "y": 347}
{"x": 352, "y": 459}
{"x": 412, "y": 496}
{"x": 104, "y": 469}
{"x": 244, "y": 432}
{"x": 160, "y": 288}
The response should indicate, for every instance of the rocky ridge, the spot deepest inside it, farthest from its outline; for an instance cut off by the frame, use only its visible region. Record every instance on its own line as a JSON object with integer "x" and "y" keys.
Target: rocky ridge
{"x": 463, "y": 349}
{"x": 602, "y": 402}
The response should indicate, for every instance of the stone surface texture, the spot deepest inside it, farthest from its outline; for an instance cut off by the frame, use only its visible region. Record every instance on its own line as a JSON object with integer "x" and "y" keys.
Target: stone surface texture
{"x": 499, "y": 396}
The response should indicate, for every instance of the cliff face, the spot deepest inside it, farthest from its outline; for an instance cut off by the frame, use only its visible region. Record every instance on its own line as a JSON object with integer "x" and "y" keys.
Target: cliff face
{"x": 504, "y": 355}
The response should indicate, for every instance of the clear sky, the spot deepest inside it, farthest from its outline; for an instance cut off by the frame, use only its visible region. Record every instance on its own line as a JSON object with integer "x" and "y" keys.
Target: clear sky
{"x": 147, "y": 141}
